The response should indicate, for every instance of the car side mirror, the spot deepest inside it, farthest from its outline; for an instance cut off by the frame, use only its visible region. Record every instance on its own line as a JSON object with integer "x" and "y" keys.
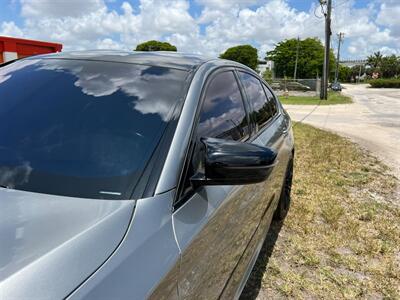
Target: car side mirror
{"x": 226, "y": 162}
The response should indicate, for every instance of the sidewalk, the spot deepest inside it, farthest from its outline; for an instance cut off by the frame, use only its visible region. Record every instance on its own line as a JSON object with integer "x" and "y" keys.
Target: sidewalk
{"x": 373, "y": 120}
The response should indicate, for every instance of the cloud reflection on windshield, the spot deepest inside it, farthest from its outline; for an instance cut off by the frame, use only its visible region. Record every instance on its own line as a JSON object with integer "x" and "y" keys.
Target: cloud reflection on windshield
{"x": 90, "y": 125}
{"x": 12, "y": 176}
{"x": 153, "y": 88}
{"x": 5, "y": 72}
{"x": 97, "y": 80}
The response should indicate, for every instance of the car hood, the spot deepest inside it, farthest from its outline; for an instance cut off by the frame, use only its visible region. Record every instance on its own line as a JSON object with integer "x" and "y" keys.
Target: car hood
{"x": 51, "y": 244}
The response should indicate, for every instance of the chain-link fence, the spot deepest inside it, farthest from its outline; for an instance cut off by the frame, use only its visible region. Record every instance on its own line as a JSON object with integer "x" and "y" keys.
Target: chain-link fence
{"x": 296, "y": 86}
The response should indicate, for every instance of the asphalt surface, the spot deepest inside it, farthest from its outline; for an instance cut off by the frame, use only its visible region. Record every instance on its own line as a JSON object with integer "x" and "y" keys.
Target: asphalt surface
{"x": 373, "y": 120}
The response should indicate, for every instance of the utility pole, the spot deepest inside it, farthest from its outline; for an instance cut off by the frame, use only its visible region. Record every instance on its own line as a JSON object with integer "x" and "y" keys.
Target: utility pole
{"x": 297, "y": 58}
{"x": 340, "y": 36}
{"x": 325, "y": 75}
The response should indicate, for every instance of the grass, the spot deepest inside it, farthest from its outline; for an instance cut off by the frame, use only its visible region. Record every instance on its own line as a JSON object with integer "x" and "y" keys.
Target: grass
{"x": 333, "y": 98}
{"x": 341, "y": 237}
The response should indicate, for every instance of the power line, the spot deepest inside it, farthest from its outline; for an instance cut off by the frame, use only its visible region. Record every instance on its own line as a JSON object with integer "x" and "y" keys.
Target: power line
{"x": 309, "y": 114}
{"x": 317, "y": 22}
{"x": 322, "y": 3}
{"x": 315, "y": 13}
{"x": 340, "y": 3}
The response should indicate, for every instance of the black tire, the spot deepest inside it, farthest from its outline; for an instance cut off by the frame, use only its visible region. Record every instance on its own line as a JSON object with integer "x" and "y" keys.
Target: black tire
{"x": 284, "y": 200}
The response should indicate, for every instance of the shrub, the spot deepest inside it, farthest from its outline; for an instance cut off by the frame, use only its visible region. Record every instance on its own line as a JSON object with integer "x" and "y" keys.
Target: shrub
{"x": 385, "y": 83}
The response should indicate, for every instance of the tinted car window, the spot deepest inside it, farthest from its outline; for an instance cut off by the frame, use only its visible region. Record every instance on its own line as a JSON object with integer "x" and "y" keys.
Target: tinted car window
{"x": 80, "y": 128}
{"x": 223, "y": 114}
{"x": 255, "y": 92}
{"x": 271, "y": 99}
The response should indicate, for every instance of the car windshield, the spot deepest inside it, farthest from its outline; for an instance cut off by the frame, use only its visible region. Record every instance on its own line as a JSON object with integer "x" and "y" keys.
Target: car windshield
{"x": 82, "y": 128}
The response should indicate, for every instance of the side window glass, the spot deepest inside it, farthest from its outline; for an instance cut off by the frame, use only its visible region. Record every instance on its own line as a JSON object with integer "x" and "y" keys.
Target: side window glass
{"x": 223, "y": 114}
{"x": 261, "y": 110}
{"x": 271, "y": 99}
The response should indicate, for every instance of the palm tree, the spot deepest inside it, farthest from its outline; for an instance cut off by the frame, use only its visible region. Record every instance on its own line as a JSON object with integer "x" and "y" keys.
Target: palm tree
{"x": 375, "y": 60}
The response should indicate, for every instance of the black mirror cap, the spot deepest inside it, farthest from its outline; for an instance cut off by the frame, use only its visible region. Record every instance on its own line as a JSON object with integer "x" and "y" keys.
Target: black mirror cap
{"x": 234, "y": 163}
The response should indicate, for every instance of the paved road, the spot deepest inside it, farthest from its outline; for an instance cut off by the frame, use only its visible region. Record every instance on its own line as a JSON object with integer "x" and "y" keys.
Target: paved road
{"x": 373, "y": 120}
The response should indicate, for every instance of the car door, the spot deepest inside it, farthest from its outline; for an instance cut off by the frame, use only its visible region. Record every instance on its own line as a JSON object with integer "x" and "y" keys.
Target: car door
{"x": 214, "y": 224}
{"x": 271, "y": 127}
{"x": 264, "y": 113}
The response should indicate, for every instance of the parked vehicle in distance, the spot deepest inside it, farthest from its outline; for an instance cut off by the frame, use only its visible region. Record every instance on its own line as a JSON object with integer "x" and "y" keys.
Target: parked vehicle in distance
{"x": 289, "y": 85}
{"x": 297, "y": 86}
{"x": 275, "y": 85}
{"x": 336, "y": 86}
{"x": 133, "y": 175}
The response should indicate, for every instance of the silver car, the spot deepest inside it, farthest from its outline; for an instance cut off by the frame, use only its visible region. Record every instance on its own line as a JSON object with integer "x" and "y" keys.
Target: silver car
{"x": 133, "y": 175}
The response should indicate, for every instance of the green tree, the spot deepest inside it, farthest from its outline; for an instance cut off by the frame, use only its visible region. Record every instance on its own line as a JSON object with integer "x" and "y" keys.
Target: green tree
{"x": 155, "y": 46}
{"x": 310, "y": 60}
{"x": 386, "y": 66}
{"x": 267, "y": 75}
{"x": 375, "y": 60}
{"x": 244, "y": 54}
{"x": 390, "y": 66}
{"x": 345, "y": 73}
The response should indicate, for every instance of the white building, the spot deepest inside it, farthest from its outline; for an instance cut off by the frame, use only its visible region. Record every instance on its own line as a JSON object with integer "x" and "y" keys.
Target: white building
{"x": 264, "y": 65}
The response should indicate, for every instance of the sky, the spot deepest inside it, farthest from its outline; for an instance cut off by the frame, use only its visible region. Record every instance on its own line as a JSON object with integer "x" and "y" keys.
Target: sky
{"x": 205, "y": 27}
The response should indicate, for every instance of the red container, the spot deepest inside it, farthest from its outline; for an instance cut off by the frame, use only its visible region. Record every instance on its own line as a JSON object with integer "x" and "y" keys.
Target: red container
{"x": 13, "y": 48}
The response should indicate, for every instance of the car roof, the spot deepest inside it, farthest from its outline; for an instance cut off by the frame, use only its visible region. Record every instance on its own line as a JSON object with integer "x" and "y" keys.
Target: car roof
{"x": 167, "y": 59}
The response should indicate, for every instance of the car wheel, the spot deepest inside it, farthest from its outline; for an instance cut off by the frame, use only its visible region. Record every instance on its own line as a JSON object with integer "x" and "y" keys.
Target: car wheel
{"x": 284, "y": 200}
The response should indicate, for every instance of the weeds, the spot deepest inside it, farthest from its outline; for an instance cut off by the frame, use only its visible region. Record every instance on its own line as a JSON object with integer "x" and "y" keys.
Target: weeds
{"x": 341, "y": 237}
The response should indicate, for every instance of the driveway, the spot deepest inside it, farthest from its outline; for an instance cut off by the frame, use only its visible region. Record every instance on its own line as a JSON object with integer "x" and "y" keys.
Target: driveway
{"x": 373, "y": 120}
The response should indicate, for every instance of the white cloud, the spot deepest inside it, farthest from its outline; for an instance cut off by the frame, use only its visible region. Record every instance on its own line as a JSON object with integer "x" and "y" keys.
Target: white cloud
{"x": 57, "y": 9}
{"x": 363, "y": 33}
{"x": 90, "y": 24}
{"x": 221, "y": 24}
{"x": 166, "y": 17}
{"x": 10, "y": 29}
{"x": 389, "y": 15}
{"x": 108, "y": 43}
{"x": 389, "y": 51}
{"x": 224, "y": 4}
{"x": 265, "y": 25}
